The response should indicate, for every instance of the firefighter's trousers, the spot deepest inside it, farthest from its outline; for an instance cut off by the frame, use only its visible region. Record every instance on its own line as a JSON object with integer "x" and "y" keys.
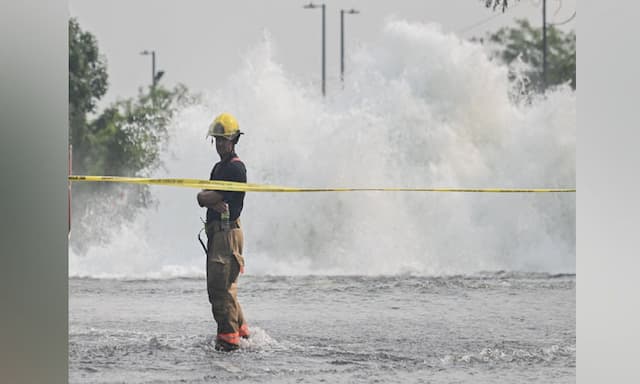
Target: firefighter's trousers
{"x": 224, "y": 263}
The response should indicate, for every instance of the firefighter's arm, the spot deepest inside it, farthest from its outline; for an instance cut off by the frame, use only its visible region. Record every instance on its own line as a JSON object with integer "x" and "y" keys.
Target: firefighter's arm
{"x": 210, "y": 199}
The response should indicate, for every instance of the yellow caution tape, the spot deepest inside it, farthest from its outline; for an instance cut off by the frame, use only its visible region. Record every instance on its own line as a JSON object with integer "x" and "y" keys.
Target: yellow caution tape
{"x": 248, "y": 187}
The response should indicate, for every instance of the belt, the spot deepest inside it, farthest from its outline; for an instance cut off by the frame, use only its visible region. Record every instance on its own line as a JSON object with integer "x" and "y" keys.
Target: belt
{"x": 216, "y": 226}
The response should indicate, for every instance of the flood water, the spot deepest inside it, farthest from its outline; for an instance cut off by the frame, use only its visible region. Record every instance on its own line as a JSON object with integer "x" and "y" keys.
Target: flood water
{"x": 482, "y": 328}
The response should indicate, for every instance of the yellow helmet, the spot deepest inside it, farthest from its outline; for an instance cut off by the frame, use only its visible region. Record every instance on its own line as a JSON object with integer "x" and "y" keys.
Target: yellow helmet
{"x": 225, "y": 125}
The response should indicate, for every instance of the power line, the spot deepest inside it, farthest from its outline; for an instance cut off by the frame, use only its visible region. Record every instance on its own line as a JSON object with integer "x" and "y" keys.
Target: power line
{"x": 558, "y": 11}
{"x": 559, "y": 8}
{"x": 564, "y": 22}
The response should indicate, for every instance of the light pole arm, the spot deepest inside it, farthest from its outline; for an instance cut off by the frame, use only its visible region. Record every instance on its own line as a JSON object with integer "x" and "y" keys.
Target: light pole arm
{"x": 342, "y": 12}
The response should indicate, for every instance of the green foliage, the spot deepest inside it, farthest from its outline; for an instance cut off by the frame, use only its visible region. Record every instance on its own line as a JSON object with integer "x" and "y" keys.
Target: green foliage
{"x": 125, "y": 139}
{"x": 87, "y": 69}
{"x": 525, "y": 42}
{"x": 87, "y": 81}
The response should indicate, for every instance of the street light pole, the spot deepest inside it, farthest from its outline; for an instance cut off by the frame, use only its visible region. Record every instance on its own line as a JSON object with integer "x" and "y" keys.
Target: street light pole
{"x": 342, "y": 12}
{"x": 324, "y": 60}
{"x": 311, "y": 6}
{"x": 155, "y": 76}
{"x": 153, "y": 66}
{"x": 544, "y": 44}
{"x": 153, "y": 69}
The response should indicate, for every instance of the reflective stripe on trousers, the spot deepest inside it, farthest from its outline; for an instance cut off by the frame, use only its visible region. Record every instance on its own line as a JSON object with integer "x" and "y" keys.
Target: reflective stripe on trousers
{"x": 231, "y": 338}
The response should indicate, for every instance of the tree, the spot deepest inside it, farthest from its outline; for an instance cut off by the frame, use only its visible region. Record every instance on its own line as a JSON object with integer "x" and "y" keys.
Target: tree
{"x": 125, "y": 139}
{"x": 88, "y": 82}
{"x": 524, "y": 43}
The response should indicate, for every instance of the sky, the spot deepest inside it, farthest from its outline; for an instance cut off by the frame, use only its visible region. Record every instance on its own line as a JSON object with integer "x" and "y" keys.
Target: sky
{"x": 201, "y": 42}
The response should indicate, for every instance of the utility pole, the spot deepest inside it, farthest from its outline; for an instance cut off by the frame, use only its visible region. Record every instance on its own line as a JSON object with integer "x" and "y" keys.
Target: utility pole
{"x": 311, "y": 6}
{"x": 342, "y": 12}
{"x": 544, "y": 45}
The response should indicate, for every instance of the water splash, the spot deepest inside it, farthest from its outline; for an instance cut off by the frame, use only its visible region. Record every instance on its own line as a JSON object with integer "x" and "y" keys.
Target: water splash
{"x": 419, "y": 108}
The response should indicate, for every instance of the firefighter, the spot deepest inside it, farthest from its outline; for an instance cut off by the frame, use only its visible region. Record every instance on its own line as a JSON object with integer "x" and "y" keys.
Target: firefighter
{"x": 225, "y": 238}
